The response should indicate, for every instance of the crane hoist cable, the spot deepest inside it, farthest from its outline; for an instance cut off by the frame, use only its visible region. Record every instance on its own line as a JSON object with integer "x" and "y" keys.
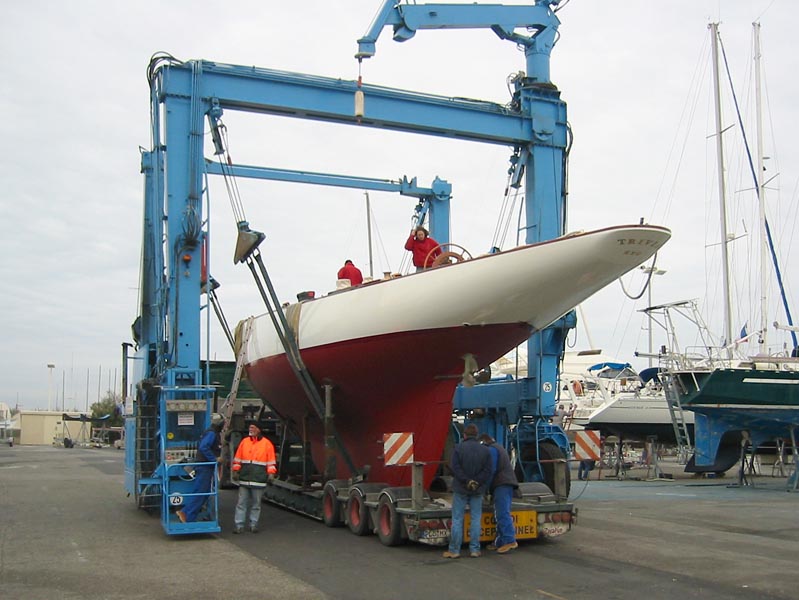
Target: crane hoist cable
{"x": 505, "y": 213}
{"x": 225, "y": 163}
{"x": 192, "y": 223}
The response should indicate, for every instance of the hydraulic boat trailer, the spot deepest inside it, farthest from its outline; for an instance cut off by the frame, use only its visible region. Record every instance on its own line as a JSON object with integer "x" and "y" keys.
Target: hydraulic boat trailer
{"x": 400, "y": 514}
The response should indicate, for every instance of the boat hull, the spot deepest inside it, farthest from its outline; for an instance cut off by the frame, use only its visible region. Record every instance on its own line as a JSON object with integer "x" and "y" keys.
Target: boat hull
{"x": 393, "y": 351}
{"x": 766, "y": 400}
{"x": 637, "y": 418}
{"x": 415, "y": 375}
{"x": 762, "y": 403}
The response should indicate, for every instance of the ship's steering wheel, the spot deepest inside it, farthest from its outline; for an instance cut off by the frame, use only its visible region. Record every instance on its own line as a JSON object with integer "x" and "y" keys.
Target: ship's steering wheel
{"x": 450, "y": 254}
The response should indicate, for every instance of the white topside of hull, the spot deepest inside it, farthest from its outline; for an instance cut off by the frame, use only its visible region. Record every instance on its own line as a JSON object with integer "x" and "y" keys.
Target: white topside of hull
{"x": 534, "y": 284}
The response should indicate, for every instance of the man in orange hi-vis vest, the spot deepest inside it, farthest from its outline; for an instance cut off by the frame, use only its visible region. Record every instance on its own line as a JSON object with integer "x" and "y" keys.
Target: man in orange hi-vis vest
{"x": 253, "y": 464}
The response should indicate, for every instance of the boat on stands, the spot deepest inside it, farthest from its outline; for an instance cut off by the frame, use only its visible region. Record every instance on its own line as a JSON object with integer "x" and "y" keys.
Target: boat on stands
{"x": 601, "y": 393}
{"x": 393, "y": 351}
{"x": 739, "y": 401}
{"x": 587, "y": 381}
{"x": 636, "y": 406}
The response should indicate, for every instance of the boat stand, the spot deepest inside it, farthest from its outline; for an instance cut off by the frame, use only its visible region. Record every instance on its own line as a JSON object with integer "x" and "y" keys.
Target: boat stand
{"x": 652, "y": 463}
{"x": 618, "y": 469}
{"x": 779, "y": 463}
{"x": 748, "y": 469}
{"x": 793, "y": 478}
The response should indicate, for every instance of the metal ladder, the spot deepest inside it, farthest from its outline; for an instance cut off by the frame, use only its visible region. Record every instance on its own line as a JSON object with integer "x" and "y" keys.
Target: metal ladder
{"x": 684, "y": 449}
{"x": 229, "y": 405}
{"x": 147, "y": 452}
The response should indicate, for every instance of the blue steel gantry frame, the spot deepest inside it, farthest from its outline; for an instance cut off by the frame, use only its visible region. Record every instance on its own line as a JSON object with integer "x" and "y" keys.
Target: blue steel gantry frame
{"x": 183, "y": 94}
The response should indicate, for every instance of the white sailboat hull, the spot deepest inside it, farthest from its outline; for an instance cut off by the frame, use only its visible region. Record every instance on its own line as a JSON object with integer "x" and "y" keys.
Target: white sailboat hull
{"x": 395, "y": 350}
{"x": 532, "y": 284}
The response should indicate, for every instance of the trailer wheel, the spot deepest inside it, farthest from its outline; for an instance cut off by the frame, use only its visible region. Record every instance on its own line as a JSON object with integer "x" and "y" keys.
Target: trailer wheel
{"x": 357, "y": 515}
{"x": 551, "y": 451}
{"x": 547, "y": 451}
{"x": 331, "y": 509}
{"x": 389, "y": 523}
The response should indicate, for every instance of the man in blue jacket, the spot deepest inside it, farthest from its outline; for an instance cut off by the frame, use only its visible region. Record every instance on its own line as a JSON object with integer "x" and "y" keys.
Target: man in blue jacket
{"x": 503, "y": 483}
{"x": 208, "y": 450}
{"x": 471, "y": 469}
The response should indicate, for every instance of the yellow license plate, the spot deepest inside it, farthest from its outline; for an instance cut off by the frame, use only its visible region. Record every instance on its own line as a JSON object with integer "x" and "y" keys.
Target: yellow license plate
{"x": 525, "y": 521}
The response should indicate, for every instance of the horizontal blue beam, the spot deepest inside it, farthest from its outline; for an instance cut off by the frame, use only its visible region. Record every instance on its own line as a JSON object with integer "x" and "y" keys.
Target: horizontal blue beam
{"x": 288, "y": 94}
{"x": 405, "y": 186}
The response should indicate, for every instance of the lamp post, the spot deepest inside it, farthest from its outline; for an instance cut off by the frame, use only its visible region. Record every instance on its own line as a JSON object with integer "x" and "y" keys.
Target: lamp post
{"x": 50, "y": 367}
{"x": 650, "y": 271}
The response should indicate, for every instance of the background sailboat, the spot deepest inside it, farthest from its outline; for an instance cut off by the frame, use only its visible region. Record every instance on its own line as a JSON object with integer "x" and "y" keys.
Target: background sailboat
{"x": 750, "y": 399}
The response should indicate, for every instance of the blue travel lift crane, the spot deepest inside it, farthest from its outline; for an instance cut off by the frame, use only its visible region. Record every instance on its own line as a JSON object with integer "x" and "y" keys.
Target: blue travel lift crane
{"x": 173, "y": 397}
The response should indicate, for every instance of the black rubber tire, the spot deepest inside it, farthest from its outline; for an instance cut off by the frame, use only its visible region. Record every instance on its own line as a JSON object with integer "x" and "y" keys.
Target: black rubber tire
{"x": 551, "y": 451}
{"x": 547, "y": 451}
{"x": 331, "y": 508}
{"x": 357, "y": 515}
{"x": 389, "y": 523}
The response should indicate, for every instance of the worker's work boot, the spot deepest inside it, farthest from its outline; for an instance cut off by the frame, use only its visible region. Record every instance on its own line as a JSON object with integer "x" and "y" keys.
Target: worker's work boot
{"x": 238, "y": 529}
{"x": 253, "y": 529}
{"x": 449, "y": 554}
{"x": 507, "y": 548}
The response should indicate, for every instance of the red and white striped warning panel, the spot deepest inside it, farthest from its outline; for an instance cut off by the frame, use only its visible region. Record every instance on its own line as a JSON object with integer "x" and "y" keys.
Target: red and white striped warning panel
{"x": 398, "y": 448}
{"x": 586, "y": 445}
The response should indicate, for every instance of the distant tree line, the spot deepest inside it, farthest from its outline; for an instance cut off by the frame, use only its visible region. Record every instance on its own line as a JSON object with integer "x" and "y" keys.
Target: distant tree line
{"x": 111, "y": 404}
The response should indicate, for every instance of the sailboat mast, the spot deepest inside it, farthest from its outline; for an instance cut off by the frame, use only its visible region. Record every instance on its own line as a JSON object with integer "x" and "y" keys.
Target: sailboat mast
{"x": 725, "y": 261}
{"x": 761, "y": 195}
{"x": 369, "y": 233}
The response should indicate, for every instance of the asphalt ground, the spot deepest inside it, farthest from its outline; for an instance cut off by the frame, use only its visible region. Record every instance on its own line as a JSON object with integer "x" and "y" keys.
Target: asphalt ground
{"x": 67, "y": 530}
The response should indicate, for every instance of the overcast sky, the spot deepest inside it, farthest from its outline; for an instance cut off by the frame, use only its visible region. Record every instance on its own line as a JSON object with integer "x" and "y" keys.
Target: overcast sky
{"x": 76, "y": 111}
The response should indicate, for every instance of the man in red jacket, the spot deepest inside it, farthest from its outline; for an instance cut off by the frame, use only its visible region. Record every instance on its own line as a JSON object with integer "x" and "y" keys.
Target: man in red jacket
{"x": 425, "y": 249}
{"x": 253, "y": 464}
{"x": 351, "y": 272}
